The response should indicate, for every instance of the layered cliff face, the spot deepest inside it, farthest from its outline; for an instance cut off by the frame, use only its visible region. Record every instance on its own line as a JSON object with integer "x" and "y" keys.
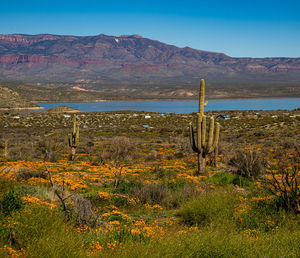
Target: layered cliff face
{"x": 129, "y": 59}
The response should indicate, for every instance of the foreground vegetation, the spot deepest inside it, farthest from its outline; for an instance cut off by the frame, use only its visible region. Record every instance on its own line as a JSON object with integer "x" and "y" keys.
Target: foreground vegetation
{"x": 132, "y": 189}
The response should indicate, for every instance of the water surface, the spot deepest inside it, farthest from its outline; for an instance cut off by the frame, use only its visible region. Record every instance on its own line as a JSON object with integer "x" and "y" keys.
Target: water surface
{"x": 181, "y": 106}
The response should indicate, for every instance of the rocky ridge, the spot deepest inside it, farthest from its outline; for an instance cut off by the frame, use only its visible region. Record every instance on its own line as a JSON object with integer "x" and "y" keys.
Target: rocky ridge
{"x": 129, "y": 59}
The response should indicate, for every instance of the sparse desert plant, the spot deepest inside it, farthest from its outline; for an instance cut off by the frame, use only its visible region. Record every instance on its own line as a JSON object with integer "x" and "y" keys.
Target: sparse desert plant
{"x": 282, "y": 180}
{"x": 83, "y": 210}
{"x": 21, "y": 151}
{"x": 183, "y": 144}
{"x": 5, "y": 148}
{"x": 201, "y": 145}
{"x": 73, "y": 140}
{"x": 151, "y": 193}
{"x": 60, "y": 193}
{"x": 152, "y": 155}
{"x": 50, "y": 148}
{"x": 25, "y": 174}
{"x": 117, "y": 154}
{"x": 247, "y": 163}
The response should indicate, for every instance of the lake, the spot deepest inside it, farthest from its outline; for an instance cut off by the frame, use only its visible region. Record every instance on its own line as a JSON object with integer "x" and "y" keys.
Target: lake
{"x": 179, "y": 106}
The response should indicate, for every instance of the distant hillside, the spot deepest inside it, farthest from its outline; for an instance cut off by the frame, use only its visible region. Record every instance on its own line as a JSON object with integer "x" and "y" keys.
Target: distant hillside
{"x": 12, "y": 100}
{"x": 128, "y": 60}
{"x": 84, "y": 68}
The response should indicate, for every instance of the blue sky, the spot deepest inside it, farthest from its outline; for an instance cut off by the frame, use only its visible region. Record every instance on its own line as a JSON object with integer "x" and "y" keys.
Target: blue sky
{"x": 237, "y": 28}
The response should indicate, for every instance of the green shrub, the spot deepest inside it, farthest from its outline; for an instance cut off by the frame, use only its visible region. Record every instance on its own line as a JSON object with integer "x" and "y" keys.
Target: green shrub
{"x": 260, "y": 213}
{"x": 126, "y": 186}
{"x": 44, "y": 232}
{"x": 212, "y": 207}
{"x": 10, "y": 202}
{"x": 223, "y": 178}
{"x": 241, "y": 181}
{"x": 176, "y": 185}
{"x": 6, "y": 186}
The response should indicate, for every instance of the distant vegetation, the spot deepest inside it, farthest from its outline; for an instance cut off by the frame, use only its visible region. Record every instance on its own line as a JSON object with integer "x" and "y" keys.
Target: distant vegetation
{"x": 10, "y": 99}
{"x": 63, "y": 109}
{"x": 64, "y": 92}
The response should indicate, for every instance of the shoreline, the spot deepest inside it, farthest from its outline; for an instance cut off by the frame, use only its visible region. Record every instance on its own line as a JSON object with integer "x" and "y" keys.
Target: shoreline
{"x": 27, "y": 108}
{"x": 152, "y": 100}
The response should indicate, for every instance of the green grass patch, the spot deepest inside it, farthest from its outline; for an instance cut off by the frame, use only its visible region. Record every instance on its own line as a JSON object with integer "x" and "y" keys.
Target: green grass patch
{"x": 212, "y": 207}
{"x": 44, "y": 232}
{"x": 223, "y": 178}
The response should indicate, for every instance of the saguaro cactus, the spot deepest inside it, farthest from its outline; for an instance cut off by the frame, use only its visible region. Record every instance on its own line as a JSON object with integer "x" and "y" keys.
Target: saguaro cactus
{"x": 203, "y": 145}
{"x": 73, "y": 139}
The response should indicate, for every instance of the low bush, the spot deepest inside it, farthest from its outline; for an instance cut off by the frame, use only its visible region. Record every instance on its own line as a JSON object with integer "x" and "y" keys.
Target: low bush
{"x": 247, "y": 163}
{"x": 126, "y": 186}
{"x": 209, "y": 208}
{"x": 6, "y": 186}
{"x": 223, "y": 178}
{"x": 151, "y": 193}
{"x": 10, "y": 202}
{"x": 259, "y": 213}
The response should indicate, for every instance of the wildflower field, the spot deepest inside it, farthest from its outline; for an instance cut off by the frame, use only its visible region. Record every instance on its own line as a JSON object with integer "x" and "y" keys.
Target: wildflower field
{"x": 132, "y": 189}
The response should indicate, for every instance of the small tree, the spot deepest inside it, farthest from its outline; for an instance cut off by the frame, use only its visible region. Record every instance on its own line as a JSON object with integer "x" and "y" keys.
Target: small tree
{"x": 117, "y": 154}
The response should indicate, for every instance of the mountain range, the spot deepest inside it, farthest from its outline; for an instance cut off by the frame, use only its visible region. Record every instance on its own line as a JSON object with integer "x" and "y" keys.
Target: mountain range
{"x": 131, "y": 61}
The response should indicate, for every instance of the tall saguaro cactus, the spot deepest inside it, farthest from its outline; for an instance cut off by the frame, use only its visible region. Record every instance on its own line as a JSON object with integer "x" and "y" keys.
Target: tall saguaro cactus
{"x": 204, "y": 144}
{"x": 73, "y": 139}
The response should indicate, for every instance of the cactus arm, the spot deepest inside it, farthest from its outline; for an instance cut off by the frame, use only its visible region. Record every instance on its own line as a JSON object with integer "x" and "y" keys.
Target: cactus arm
{"x": 211, "y": 133}
{"x": 74, "y": 125}
{"x": 192, "y": 139}
{"x": 201, "y": 97}
{"x": 203, "y": 132}
{"x": 199, "y": 135}
{"x": 191, "y": 136}
{"x": 77, "y": 134}
{"x": 216, "y": 139}
{"x": 217, "y": 135}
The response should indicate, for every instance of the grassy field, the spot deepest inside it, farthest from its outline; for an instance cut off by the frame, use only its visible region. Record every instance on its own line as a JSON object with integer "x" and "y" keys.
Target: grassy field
{"x": 132, "y": 190}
